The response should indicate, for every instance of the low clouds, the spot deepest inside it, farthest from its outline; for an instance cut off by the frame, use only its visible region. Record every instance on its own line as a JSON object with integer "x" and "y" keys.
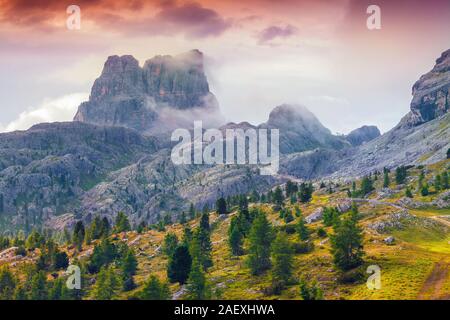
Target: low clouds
{"x": 275, "y": 32}
{"x": 60, "y": 109}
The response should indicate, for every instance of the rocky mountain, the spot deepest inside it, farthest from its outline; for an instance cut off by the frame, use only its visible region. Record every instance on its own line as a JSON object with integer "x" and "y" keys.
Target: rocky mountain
{"x": 141, "y": 98}
{"x": 114, "y": 158}
{"x": 421, "y": 137}
{"x": 431, "y": 94}
{"x": 300, "y": 130}
{"x": 362, "y": 135}
{"x": 45, "y": 170}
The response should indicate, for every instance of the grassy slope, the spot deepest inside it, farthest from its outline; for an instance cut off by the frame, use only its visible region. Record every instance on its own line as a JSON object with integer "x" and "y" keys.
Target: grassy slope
{"x": 405, "y": 266}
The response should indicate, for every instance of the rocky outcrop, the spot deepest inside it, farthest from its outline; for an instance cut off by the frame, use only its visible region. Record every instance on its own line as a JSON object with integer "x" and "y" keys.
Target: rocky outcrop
{"x": 431, "y": 94}
{"x": 45, "y": 170}
{"x": 127, "y": 95}
{"x": 362, "y": 135}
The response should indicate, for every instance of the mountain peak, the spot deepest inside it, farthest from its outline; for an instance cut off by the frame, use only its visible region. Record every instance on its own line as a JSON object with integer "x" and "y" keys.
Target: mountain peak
{"x": 431, "y": 94}
{"x": 127, "y": 95}
{"x": 362, "y": 135}
{"x": 300, "y": 130}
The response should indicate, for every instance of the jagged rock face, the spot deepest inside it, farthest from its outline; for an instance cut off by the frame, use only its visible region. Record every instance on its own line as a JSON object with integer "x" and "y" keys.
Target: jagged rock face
{"x": 45, "y": 170}
{"x": 362, "y": 135}
{"x": 300, "y": 130}
{"x": 431, "y": 94}
{"x": 127, "y": 95}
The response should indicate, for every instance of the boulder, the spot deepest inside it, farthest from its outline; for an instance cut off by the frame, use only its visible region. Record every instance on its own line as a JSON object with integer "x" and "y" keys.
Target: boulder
{"x": 315, "y": 216}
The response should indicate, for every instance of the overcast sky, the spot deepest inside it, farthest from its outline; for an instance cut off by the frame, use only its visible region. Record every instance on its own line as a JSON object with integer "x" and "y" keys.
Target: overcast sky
{"x": 259, "y": 54}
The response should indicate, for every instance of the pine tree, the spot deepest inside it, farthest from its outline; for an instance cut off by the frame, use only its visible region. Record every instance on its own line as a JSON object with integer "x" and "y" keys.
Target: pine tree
{"x": 312, "y": 292}
{"x": 288, "y": 217}
{"x": 305, "y": 193}
{"x": 278, "y": 197}
{"x": 39, "y": 287}
{"x": 330, "y": 216}
{"x": 95, "y": 230}
{"x": 104, "y": 253}
{"x": 408, "y": 192}
{"x": 282, "y": 260}
{"x": 78, "y": 235}
{"x": 154, "y": 289}
{"x": 179, "y": 265}
{"x": 445, "y": 183}
{"x": 346, "y": 244}
{"x": 420, "y": 182}
{"x": 107, "y": 284}
{"x": 438, "y": 183}
{"x": 183, "y": 219}
{"x": 204, "y": 222}
{"x": 302, "y": 229}
{"x": 424, "y": 190}
{"x": 201, "y": 247}
{"x": 197, "y": 287}
{"x": 221, "y": 206}
{"x": 235, "y": 240}
{"x": 170, "y": 244}
{"x": 187, "y": 236}
{"x": 122, "y": 223}
{"x": 7, "y": 284}
{"x": 129, "y": 267}
{"x": 366, "y": 185}
{"x": 448, "y": 153}
{"x": 59, "y": 290}
{"x": 260, "y": 239}
{"x": 386, "y": 181}
{"x": 400, "y": 175}
{"x": 192, "y": 213}
{"x": 105, "y": 228}
{"x": 291, "y": 188}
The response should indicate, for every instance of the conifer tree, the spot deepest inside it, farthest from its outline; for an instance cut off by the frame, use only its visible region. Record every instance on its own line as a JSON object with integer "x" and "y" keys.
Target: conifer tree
{"x": 386, "y": 180}
{"x": 154, "y": 289}
{"x": 7, "y": 284}
{"x": 278, "y": 197}
{"x": 39, "y": 286}
{"x": 445, "y": 183}
{"x": 78, "y": 235}
{"x": 170, "y": 244}
{"x": 192, "y": 213}
{"x": 302, "y": 229}
{"x": 282, "y": 260}
{"x": 366, "y": 185}
{"x": 260, "y": 240}
{"x": 221, "y": 206}
{"x": 235, "y": 240}
{"x": 408, "y": 192}
{"x": 122, "y": 223}
{"x": 179, "y": 265}
{"x": 197, "y": 287}
{"x": 400, "y": 175}
{"x": 128, "y": 267}
{"x": 346, "y": 244}
{"x": 438, "y": 183}
{"x": 312, "y": 292}
{"x": 107, "y": 284}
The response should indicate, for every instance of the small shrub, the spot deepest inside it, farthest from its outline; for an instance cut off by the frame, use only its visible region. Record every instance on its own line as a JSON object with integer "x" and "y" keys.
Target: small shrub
{"x": 321, "y": 233}
{"x": 303, "y": 247}
{"x": 20, "y": 251}
{"x": 356, "y": 275}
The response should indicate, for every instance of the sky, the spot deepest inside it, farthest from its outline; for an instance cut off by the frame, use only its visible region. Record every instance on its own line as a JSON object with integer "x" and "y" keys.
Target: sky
{"x": 258, "y": 54}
